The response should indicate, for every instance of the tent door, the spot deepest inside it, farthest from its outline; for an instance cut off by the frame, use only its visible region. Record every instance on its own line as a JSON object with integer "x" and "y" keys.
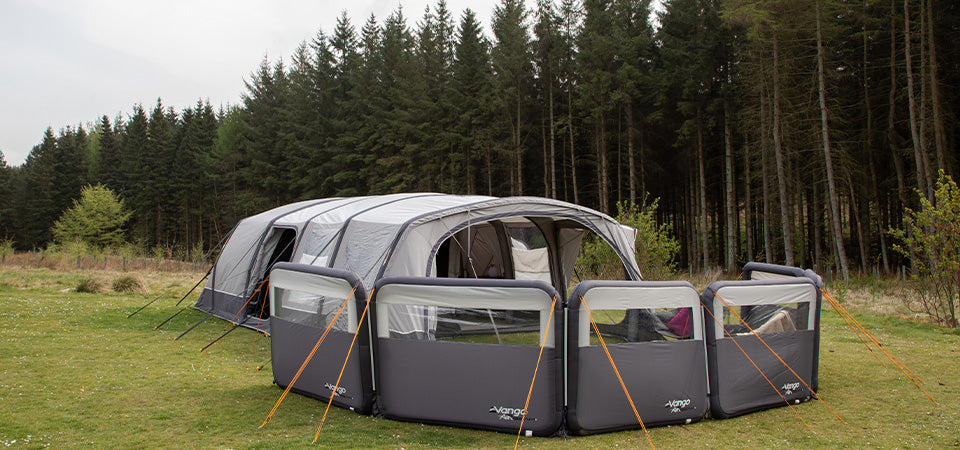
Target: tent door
{"x": 277, "y": 247}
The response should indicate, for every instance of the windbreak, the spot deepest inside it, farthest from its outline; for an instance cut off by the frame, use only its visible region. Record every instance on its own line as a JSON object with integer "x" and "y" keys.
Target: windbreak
{"x": 653, "y": 331}
{"x": 306, "y": 301}
{"x": 784, "y": 314}
{"x": 472, "y": 357}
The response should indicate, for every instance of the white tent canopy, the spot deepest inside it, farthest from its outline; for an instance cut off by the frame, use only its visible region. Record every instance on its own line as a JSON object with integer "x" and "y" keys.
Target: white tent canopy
{"x": 414, "y": 234}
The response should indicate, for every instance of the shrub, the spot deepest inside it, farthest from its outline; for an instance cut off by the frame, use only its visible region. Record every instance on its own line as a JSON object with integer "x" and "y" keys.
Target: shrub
{"x": 90, "y": 285}
{"x": 127, "y": 283}
{"x": 96, "y": 219}
{"x": 932, "y": 238}
{"x": 654, "y": 246}
{"x": 6, "y": 249}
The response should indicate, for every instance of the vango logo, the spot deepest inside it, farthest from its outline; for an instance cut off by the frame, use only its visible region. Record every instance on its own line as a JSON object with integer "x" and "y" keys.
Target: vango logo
{"x": 341, "y": 391}
{"x": 506, "y": 413}
{"x": 677, "y": 405}
{"x": 790, "y": 388}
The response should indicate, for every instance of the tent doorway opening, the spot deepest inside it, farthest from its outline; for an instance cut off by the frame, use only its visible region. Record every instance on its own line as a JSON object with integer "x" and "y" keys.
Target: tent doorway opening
{"x": 278, "y": 247}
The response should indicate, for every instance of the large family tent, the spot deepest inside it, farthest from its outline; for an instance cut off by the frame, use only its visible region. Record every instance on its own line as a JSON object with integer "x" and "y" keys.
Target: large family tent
{"x": 462, "y": 310}
{"x": 421, "y": 234}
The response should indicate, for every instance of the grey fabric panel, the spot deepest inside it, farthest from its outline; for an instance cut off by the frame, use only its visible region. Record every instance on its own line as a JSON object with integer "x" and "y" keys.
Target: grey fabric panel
{"x": 474, "y": 385}
{"x": 291, "y": 343}
{"x": 740, "y": 388}
{"x": 225, "y": 306}
{"x": 667, "y": 382}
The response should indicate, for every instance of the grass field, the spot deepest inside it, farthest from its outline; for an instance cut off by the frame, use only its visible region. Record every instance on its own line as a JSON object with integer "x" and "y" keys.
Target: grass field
{"x": 75, "y": 372}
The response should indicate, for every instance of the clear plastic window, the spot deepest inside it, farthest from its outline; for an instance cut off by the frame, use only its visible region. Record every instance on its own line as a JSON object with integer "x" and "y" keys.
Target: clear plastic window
{"x": 471, "y": 325}
{"x": 766, "y": 319}
{"x": 641, "y": 325}
{"x": 310, "y": 309}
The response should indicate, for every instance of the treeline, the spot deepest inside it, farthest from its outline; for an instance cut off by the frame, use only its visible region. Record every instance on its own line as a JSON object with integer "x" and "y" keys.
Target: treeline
{"x": 788, "y": 131}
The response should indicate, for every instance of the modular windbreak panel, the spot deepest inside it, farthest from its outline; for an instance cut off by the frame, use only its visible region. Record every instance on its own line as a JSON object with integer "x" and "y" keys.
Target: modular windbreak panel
{"x": 743, "y": 319}
{"x": 762, "y": 271}
{"x": 654, "y": 333}
{"x": 304, "y": 302}
{"x": 464, "y": 352}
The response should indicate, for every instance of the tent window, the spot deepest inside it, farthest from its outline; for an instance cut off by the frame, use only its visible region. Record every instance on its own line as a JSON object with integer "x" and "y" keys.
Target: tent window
{"x": 642, "y": 325}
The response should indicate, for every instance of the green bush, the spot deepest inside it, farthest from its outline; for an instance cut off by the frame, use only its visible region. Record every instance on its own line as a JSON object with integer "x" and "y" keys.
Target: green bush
{"x": 127, "y": 283}
{"x": 932, "y": 238}
{"x": 96, "y": 219}
{"x": 6, "y": 249}
{"x": 655, "y": 247}
{"x": 90, "y": 285}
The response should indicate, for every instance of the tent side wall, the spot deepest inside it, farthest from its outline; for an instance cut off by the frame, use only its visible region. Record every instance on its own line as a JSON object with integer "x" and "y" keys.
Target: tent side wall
{"x": 663, "y": 363}
{"x": 785, "y": 314}
{"x": 229, "y": 284}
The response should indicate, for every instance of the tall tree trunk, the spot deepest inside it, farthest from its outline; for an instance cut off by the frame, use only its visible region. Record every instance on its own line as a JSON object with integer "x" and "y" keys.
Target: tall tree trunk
{"x": 764, "y": 171}
{"x": 748, "y": 201}
{"x": 604, "y": 166}
{"x": 553, "y": 143}
{"x": 938, "y": 129}
{"x": 732, "y": 232}
{"x": 704, "y": 233}
{"x": 817, "y": 229}
{"x": 546, "y": 159}
{"x": 923, "y": 185}
{"x": 785, "y": 219}
{"x": 632, "y": 165}
{"x": 518, "y": 148}
{"x": 573, "y": 154}
{"x": 828, "y": 160}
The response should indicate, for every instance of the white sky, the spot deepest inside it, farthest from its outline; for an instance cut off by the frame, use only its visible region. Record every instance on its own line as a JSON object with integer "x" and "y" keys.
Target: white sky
{"x": 67, "y": 62}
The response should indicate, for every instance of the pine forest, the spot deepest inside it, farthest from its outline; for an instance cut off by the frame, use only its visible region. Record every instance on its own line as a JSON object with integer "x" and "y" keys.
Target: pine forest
{"x": 789, "y": 131}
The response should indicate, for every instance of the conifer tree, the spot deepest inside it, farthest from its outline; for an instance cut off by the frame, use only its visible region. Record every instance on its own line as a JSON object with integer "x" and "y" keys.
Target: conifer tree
{"x": 472, "y": 91}
{"x": 109, "y": 162}
{"x": 513, "y": 73}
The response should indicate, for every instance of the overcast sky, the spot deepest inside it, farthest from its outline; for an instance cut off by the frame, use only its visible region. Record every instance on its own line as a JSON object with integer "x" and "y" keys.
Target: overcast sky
{"x": 67, "y": 62}
{"x": 64, "y": 62}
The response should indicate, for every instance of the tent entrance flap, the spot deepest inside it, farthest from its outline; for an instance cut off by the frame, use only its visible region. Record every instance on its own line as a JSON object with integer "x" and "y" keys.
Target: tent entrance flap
{"x": 462, "y": 352}
{"x": 305, "y": 301}
{"x": 276, "y": 248}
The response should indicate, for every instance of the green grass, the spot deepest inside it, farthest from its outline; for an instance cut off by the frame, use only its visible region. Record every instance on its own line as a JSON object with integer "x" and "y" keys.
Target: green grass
{"x": 74, "y": 372}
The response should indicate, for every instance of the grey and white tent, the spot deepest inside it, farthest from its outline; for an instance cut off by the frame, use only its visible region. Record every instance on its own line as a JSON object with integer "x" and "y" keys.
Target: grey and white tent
{"x": 454, "y": 308}
{"x": 422, "y": 234}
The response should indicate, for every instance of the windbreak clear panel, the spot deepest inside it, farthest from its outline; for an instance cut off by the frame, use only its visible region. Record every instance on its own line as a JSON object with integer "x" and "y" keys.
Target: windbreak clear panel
{"x": 641, "y": 325}
{"x": 310, "y": 309}
{"x": 475, "y": 325}
{"x": 765, "y": 319}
